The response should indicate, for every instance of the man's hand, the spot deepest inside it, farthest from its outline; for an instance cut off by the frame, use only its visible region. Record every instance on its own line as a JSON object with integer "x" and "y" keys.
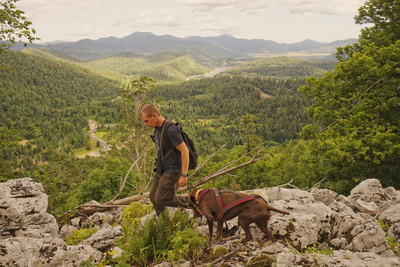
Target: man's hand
{"x": 182, "y": 181}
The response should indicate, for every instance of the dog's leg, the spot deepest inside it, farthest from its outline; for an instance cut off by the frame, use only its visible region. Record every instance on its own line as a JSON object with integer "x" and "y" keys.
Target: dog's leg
{"x": 210, "y": 230}
{"x": 245, "y": 225}
{"x": 219, "y": 230}
{"x": 264, "y": 227}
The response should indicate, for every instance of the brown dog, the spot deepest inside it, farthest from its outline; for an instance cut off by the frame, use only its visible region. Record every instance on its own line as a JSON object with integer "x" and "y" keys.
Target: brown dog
{"x": 223, "y": 206}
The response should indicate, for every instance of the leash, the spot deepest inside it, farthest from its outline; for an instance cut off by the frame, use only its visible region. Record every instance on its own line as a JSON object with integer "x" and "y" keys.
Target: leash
{"x": 188, "y": 185}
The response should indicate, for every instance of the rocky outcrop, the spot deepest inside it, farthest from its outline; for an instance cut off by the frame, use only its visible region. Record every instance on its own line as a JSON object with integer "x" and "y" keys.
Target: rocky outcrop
{"x": 320, "y": 220}
{"x": 29, "y": 235}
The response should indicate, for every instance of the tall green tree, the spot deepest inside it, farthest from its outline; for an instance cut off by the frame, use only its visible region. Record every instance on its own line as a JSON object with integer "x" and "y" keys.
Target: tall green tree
{"x": 132, "y": 135}
{"x": 357, "y": 106}
{"x": 248, "y": 126}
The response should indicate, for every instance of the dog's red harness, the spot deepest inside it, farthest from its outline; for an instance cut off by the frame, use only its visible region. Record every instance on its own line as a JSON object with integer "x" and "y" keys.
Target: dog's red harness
{"x": 223, "y": 208}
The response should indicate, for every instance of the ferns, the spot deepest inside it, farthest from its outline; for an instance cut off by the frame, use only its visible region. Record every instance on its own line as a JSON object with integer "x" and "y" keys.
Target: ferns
{"x": 160, "y": 239}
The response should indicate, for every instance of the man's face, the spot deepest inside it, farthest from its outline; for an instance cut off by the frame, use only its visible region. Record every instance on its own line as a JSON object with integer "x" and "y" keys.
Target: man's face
{"x": 150, "y": 121}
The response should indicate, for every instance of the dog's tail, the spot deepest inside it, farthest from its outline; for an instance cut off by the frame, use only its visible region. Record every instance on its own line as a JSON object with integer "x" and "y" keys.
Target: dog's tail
{"x": 270, "y": 207}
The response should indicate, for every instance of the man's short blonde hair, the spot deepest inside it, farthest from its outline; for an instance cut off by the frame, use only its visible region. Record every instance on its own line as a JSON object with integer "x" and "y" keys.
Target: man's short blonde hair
{"x": 149, "y": 110}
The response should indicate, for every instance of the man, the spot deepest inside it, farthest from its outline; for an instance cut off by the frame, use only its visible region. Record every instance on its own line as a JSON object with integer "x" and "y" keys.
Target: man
{"x": 172, "y": 165}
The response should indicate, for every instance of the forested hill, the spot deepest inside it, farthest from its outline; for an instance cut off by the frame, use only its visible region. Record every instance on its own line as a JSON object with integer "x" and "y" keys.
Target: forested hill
{"x": 163, "y": 67}
{"x": 283, "y": 68}
{"x": 51, "y": 101}
{"x": 213, "y": 109}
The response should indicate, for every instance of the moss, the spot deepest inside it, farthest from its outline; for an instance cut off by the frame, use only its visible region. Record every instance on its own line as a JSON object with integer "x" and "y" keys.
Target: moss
{"x": 260, "y": 261}
{"x": 213, "y": 255}
{"x": 349, "y": 238}
{"x": 78, "y": 236}
{"x": 290, "y": 227}
{"x": 384, "y": 225}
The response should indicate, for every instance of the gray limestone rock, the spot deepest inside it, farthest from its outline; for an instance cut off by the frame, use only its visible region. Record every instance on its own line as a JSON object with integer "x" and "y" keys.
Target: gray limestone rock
{"x": 324, "y": 195}
{"x": 25, "y": 251}
{"x": 104, "y": 239}
{"x": 23, "y": 208}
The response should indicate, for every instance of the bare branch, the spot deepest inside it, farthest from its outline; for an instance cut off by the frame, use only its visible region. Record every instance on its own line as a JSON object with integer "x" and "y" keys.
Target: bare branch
{"x": 222, "y": 257}
{"x": 201, "y": 165}
{"x": 316, "y": 185}
{"x": 245, "y": 155}
{"x": 123, "y": 202}
{"x": 288, "y": 183}
{"x": 126, "y": 176}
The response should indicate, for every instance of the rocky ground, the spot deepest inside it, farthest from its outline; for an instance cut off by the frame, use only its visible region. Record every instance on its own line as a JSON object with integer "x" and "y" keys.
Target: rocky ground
{"x": 319, "y": 221}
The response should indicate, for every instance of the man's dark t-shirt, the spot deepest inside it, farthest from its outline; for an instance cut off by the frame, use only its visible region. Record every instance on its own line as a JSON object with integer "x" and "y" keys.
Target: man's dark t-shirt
{"x": 172, "y": 162}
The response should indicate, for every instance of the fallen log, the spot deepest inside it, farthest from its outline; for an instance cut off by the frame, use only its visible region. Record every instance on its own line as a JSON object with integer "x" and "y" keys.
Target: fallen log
{"x": 90, "y": 208}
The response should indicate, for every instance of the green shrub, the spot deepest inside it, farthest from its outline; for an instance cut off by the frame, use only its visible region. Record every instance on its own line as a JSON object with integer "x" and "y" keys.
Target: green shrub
{"x": 136, "y": 210}
{"x": 160, "y": 239}
{"x": 385, "y": 227}
{"x": 187, "y": 243}
{"x": 393, "y": 244}
{"x": 78, "y": 236}
{"x": 318, "y": 249}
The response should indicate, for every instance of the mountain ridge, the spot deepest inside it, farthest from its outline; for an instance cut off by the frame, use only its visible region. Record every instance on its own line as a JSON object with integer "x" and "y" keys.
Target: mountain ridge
{"x": 201, "y": 49}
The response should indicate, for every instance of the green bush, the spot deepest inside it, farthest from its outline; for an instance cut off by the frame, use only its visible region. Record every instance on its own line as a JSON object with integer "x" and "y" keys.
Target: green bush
{"x": 160, "y": 239}
{"x": 393, "y": 244}
{"x": 136, "y": 210}
{"x": 318, "y": 249}
{"x": 78, "y": 236}
{"x": 187, "y": 243}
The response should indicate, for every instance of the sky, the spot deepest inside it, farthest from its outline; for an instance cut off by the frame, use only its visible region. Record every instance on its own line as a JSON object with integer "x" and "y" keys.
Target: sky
{"x": 282, "y": 21}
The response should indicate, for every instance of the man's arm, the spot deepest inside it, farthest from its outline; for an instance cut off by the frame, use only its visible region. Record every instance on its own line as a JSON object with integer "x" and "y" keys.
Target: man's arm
{"x": 185, "y": 162}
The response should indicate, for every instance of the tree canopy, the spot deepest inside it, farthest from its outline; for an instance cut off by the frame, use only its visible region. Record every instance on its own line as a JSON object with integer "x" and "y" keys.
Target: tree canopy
{"x": 14, "y": 26}
{"x": 357, "y": 106}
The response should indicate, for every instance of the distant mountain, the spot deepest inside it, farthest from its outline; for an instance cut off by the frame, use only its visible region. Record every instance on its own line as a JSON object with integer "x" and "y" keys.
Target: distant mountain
{"x": 203, "y": 49}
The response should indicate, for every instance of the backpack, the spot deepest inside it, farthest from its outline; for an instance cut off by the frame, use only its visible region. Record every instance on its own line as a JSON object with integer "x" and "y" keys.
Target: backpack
{"x": 188, "y": 141}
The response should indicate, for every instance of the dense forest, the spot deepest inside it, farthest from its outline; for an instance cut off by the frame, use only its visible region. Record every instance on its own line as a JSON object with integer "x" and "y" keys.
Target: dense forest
{"x": 45, "y": 109}
{"x": 48, "y": 102}
{"x": 212, "y": 108}
{"x": 338, "y": 126}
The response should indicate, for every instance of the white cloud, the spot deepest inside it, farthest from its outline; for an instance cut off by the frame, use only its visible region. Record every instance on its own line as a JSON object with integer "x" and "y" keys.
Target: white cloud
{"x": 278, "y": 20}
{"x": 322, "y": 6}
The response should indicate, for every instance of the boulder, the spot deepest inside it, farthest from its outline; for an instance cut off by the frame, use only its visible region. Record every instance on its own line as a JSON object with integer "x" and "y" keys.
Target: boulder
{"x": 104, "y": 239}
{"x": 337, "y": 258}
{"x": 394, "y": 231}
{"x": 344, "y": 220}
{"x": 23, "y": 208}
{"x": 391, "y": 214}
{"x": 301, "y": 196}
{"x": 369, "y": 190}
{"x": 29, "y": 236}
{"x": 25, "y": 251}
{"x": 66, "y": 230}
{"x": 369, "y": 237}
{"x": 324, "y": 195}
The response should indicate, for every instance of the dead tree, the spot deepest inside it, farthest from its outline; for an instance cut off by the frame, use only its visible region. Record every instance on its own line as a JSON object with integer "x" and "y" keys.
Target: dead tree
{"x": 90, "y": 208}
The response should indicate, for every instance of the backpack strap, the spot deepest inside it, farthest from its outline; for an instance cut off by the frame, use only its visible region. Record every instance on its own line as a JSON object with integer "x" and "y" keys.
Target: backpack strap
{"x": 161, "y": 143}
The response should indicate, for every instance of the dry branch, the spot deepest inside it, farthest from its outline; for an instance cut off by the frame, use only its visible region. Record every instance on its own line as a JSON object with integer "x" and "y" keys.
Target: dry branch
{"x": 223, "y": 257}
{"x": 92, "y": 208}
{"x": 126, "y": 176}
